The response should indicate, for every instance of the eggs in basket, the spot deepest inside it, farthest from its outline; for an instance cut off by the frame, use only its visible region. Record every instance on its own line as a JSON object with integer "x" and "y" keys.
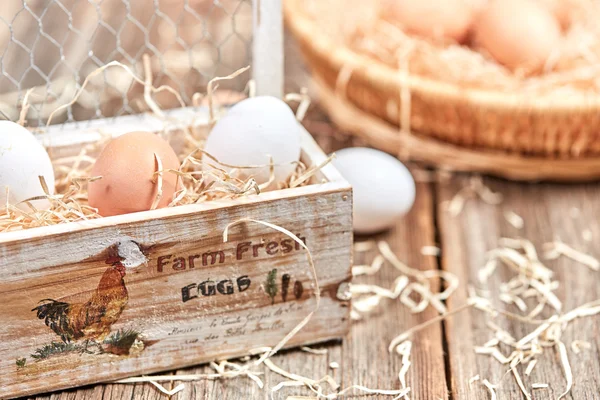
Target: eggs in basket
{"x": 518, "y": 34}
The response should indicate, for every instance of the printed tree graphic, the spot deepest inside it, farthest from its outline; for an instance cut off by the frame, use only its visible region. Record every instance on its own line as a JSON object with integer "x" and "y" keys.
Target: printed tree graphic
{"x": 271, "y": 285}
{"x": 285, "y": 284}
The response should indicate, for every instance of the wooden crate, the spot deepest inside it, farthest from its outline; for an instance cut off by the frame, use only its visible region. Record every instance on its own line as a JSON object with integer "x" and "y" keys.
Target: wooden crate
{"x": 196, "y": 299}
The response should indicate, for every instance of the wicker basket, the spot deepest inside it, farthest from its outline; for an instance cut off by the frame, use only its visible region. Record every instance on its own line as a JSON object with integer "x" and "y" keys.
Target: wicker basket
{"x": 506, "y": 134}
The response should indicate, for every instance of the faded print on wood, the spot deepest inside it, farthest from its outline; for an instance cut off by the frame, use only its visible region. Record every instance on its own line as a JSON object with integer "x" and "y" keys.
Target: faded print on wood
{"x": 191, "y": 301}
{"x": 81, "y": 324}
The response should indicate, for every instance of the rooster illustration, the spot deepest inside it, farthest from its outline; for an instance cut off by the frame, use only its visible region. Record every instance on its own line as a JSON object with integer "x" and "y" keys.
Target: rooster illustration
{"x": 90, "y": 321}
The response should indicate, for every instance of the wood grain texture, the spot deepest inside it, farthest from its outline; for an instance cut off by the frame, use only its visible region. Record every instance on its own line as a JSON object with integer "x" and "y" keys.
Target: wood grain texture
{"x": 366, "y": 359}
{"x": 548, "y": 211}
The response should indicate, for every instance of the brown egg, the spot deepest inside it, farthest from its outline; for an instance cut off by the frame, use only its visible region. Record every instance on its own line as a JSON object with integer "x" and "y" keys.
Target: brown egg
{"x": 435, "y": 19}
{"x": 520, "y": 34}
{"x": 127, "y": 166}
{"x": 561, "y": 9}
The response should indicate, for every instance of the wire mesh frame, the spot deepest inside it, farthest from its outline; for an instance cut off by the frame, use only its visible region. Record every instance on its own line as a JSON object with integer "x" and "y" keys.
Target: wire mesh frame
{"x": 52, "y": 45}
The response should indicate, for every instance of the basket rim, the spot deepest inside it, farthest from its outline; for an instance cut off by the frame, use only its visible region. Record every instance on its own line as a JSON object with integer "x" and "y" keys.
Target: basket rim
{"x": 385, "y": 78}
{"x": 446, "y": 156}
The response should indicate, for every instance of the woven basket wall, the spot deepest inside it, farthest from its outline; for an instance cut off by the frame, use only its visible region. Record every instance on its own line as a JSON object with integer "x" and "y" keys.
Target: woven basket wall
{"x": 507, "y": 134}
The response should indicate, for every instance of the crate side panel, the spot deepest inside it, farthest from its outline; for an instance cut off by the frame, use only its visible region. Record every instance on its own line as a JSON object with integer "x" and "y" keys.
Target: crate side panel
{"x": 196, "y": 299}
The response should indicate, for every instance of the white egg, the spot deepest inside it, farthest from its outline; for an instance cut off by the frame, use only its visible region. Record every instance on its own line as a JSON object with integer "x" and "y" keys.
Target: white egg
{"x": 22, "y": 160}
{"x": 253, "y": 130}
{"x": 383, "y": 189}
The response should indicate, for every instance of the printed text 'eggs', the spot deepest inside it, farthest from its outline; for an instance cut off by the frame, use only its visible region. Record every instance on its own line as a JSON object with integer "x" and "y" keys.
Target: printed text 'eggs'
{"x": 382, "y": 187}
{"x": 22, "y": 161}
{"x": 253, "y": 130}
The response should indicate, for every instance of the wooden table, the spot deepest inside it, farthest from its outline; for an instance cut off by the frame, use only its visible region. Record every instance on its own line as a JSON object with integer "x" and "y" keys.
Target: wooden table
{"x": 443, "y": 357}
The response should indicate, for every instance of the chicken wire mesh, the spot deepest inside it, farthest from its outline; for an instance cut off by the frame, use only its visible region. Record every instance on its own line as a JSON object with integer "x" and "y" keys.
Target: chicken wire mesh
{"x": 51, "y": 46}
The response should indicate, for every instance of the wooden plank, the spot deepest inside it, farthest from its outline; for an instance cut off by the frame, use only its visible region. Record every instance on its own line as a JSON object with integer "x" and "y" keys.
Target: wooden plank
{"x": 548, "y": 210}
{"x": 366, "y": 359}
